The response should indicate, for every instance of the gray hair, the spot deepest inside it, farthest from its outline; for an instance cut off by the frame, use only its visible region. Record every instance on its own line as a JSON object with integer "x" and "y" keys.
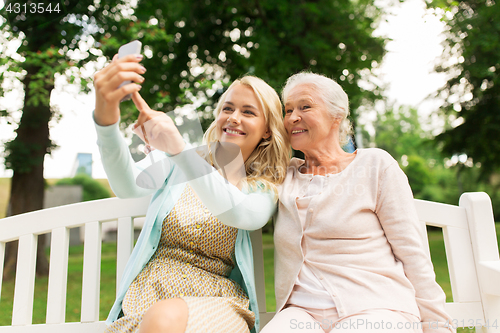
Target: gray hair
{"x": 332, "y": 94}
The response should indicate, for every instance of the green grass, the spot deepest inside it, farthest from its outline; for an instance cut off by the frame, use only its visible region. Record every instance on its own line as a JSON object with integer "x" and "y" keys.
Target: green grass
{"x": 108, "y": 287}
{"x": 268, "y": 247}
{"x": 4, "y": 195}
{"x": 74, "y": 292}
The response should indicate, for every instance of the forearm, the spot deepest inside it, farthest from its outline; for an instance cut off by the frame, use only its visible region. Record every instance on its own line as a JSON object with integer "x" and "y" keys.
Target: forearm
{"x": 118, "y": 162}
{"x": 230, "y": 205}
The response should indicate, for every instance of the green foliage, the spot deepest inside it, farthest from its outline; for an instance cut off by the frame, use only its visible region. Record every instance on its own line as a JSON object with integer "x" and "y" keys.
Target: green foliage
{"x": 472, "y": 93}
{"x": 194, "y": 48}
{"x": 21, "y": 157}
{"x": 400, "y": 133}
{"x": 431, "y": 175}
{"x": 51, "y": 43}
{"x": 92, "y": 189}
{"x": 419, "y": 174}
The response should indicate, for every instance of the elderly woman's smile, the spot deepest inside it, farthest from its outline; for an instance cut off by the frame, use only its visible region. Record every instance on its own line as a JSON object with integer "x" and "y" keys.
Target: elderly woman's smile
{"x": 307, "y": 119}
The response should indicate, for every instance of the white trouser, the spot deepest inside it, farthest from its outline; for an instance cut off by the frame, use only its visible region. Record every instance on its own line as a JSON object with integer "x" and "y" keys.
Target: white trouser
{"x": 296, "y": 319}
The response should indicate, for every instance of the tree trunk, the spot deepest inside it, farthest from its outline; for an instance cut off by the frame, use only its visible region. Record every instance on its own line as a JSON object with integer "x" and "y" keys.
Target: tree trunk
{"x": 27, "y": 184}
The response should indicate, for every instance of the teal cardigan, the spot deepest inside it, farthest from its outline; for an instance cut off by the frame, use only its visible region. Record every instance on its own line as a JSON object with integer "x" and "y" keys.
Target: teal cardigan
{"x": 164, "y": 177}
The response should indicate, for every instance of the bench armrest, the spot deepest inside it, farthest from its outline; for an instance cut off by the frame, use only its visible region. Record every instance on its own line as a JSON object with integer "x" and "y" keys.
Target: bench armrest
{"x": 489, "y": 275}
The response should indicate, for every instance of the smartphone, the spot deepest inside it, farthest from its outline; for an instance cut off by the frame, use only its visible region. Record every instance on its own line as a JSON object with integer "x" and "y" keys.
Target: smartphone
{"x": 134, "y": 47}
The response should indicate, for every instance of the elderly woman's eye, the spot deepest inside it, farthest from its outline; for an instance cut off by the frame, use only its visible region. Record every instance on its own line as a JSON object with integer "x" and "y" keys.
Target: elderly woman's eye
{"x": 305, "y": 107}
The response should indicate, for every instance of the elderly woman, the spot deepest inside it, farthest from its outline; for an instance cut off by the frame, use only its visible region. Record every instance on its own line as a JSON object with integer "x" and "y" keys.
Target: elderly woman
{"x": 349, "y": 248}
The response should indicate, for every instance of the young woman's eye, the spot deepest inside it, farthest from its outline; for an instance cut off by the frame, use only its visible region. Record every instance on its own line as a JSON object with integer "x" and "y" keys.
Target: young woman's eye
{"x": 227, "y": 109}
{"x": 249, "y": 112}
{"x": 287, "y": 111}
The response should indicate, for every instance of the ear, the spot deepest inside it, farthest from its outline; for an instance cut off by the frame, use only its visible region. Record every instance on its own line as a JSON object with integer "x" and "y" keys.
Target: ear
{"x": 267, "y": 134}
{"x": 337, "y": 121}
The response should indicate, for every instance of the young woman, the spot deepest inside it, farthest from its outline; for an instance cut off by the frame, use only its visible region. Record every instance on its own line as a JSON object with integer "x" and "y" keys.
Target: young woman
{"x": 192, "y": 269}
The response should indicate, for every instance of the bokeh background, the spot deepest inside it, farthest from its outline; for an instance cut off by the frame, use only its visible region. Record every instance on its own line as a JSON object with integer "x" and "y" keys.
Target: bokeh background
{"x": 422, "y": 77}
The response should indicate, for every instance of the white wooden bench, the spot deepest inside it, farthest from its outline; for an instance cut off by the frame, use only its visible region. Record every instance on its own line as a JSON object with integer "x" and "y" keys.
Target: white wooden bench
{"x": 469, "y": 237}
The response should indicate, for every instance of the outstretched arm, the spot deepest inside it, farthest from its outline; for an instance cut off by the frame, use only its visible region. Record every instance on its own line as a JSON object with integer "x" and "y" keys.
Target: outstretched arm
{"x": 116, "y": 158}
{"x": 249, "y": 211}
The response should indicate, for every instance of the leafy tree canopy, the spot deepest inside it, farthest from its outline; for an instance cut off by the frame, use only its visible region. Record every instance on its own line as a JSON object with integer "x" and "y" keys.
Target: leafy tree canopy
{"x": 472, "y": 94}
{"x": 193, "y": 48}
{"x": 399, "y": 132}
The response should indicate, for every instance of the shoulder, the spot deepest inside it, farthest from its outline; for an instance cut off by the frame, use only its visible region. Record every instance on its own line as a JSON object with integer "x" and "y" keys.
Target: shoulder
{"x": 261, "y": 188}
{"x": 295, "y": 162}
{"x": 375, "y": 162}
{"x": 376, "y": 156}
{"x": 292, "y": 172}
{"x": 293, "y": 168}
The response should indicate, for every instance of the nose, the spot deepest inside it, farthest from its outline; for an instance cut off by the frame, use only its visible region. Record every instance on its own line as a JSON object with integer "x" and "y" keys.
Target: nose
{"x": 294, "y": 117}
{"x": 234, "y": 118}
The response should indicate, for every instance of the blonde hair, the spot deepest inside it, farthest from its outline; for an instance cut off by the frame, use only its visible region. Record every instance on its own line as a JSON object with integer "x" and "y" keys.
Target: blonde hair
{"x": 267, "y": 163}
{"x": 332, "y": 94}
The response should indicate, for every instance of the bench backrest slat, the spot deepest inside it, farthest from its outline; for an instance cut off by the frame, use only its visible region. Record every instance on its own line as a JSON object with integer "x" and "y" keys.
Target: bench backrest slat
{"x": 441, "y": 215}
{"x": 58, "y": 277}
{"x": 25, "y": 280}
{"x": 125, "y": 244}
{"x": 91, "y": 279}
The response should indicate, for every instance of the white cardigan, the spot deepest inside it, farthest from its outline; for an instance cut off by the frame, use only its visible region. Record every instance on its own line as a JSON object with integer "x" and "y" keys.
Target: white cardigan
{"x": 362, "y": 239}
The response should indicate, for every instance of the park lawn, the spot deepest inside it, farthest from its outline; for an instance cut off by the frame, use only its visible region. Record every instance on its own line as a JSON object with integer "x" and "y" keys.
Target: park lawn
{"x": 4, "y": 195}
{"x": 74, "y": 292}
{"x": 5, "y": 191}
{"x": 108, "y": 286}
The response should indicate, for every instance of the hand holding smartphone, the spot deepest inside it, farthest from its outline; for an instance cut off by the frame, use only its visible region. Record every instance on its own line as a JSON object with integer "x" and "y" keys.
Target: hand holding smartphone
{"x": 134, "y": 47}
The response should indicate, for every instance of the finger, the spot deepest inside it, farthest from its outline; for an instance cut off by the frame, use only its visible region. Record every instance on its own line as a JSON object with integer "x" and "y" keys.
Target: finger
{"x": 118, "y": 73}
{"x": 115, "y": 57}
{"x": 119, "y": 94}
{"x": 121, "y": 77}
{"x": 107, "y": 85}
{"x": 139, "y": 102}
{"x": 125, "y": 67}
{"x": 111, "y": 77}
{"x": 131, "y": 58}
{"x": 128, "y": 63}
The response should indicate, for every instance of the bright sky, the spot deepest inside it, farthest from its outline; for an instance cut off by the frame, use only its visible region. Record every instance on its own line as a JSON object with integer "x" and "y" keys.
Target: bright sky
{"x": 407, "y": 69}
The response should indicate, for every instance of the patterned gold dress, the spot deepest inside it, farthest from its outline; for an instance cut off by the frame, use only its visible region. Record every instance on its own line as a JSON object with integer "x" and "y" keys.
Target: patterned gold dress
{"x": 193, "y": 261}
